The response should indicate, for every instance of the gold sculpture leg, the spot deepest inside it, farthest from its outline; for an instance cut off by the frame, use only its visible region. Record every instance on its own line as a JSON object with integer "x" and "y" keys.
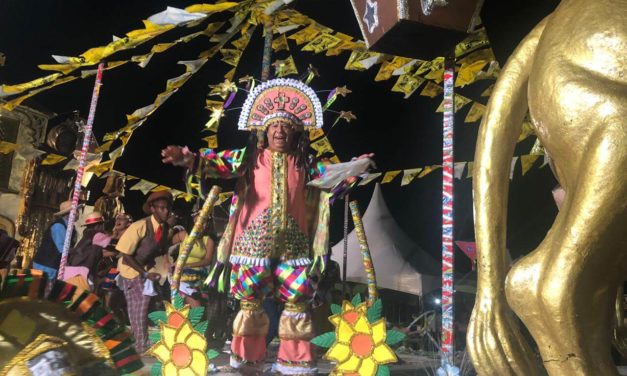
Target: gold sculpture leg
{"x": 570, "y": 73}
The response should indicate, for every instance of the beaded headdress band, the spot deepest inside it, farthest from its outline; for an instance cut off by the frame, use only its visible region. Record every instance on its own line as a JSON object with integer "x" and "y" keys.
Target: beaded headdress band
{"x": 281, "y": 98}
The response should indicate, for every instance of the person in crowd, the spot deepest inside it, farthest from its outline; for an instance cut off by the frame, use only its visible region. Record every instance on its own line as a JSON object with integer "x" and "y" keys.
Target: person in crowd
{"x": 8, "y": 249}
{"x": 89, "y": 251}
{"x": 139, "y": 246}
{"x": 48, "y": 255}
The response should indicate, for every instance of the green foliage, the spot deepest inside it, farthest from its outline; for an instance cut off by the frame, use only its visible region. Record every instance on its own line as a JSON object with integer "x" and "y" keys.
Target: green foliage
{"x": 178, "y": 302}
{"x": 201, "y": 327}
{"x": 383, "y": 371}
{"x": 157, "y": 317}
{"x": 394, "y": 336}
{"x": 154, "y": 337}
{"x": 336, "y": 309}
{"x": 356, "y": 300}
{"x": 211, "y": 353}
{"x": 156, "y": 369}
{"x": 195, "y": 315}
{"x": 324, "y": 340}
{"x": 374, "y": 312}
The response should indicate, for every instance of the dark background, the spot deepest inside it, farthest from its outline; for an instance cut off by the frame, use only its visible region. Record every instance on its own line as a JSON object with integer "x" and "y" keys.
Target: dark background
{"x": 403, "y": 133}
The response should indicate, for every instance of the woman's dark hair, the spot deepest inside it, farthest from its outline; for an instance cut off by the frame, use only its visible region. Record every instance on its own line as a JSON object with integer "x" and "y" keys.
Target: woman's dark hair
{"x": 301, "y": 151}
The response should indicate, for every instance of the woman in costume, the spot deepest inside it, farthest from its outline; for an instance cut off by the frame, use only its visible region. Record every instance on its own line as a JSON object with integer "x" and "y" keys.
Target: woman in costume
{"x": 278, "y": 224}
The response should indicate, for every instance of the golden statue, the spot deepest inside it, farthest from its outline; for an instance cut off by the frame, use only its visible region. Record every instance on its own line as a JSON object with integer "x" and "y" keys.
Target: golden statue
{"x": 570, "y": 73}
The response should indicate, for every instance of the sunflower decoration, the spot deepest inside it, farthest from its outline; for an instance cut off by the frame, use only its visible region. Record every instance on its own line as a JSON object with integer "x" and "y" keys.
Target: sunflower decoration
{"x": 360, "y": 344}
{"x": 180, "y": 345}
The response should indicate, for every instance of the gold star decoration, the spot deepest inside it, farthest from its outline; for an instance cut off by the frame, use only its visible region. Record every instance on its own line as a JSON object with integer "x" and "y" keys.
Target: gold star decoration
{"x": 343, "y": 91}
{"x": 347, "y": 115}
{"x": 223, "y": 89}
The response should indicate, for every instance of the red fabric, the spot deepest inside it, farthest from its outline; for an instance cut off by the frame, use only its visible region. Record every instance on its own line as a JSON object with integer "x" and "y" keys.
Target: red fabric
{"x": 295, "y": 350}
{"x": 249, "y": 348}
{"x": 158, "y": 233}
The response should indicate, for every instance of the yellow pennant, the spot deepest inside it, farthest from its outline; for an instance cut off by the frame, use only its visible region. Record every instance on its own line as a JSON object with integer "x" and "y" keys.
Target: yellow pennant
{"x": 285, "y": 67}
{"x": 334, "y": 159}
{"x": 315, "y": 133}
{"x": 104, "y": 147}
{"x": 482, "y": 55}
{"x": 389, "y": 176}
{"x": 322, "y": 146}
{"x": 231, "y": 56}
{"x": 431, "y": 90}
{"x": 222, "y": 197}
{"x": 212, "y": 141}
{"x": 527, "y": 162}
{"x": 386, "y": 70}
{"x": 7, "y": 147}
{"x": 429, "y": 66}
{"x": 322, "y": 43}
{"x": 309, "y": 33}
{"x": 474, "y": 41}
{"x": 230, "y": 74}
{"x": 460, "y": 102}
{"x": 211, "y": 8}
{"x": 161, "y": 47}
{"x": 160, "y": 188}
{"x": 409, "y": 175}
{"x": 435, "y": 75}
{"x": 345, "y": 44}
{"x": 469, "y": 170}
{"x": 362, "y": 60}
{"x": 241, "y": 43}
{"x": 487, "y": 92}
{"x": 527, "y": 130}
{"x": 9, "y": 106}
{"x": 475, "y": 113}
{"x": 427, "y": 170}
{"x": 100, "y": 168}
{"x": 280, "y": 44}
{"x": 117, "y": 153}
{"x": 6, "y": 90}
{"x": 468, "y": 73}
{"x": 144, "y": 186}
{"x": 407, "y": 84}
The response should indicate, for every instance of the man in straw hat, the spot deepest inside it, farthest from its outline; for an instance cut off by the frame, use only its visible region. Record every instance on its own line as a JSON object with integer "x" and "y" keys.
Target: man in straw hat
{"x": 277, "y": 229}
{"x": 48, "y": 256}
{"x": 141, "y": 243}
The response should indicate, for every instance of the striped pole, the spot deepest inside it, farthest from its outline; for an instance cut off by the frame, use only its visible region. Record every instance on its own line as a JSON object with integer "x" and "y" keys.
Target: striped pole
{"x": 447, "y": 341}
{"x": 196, "y": 233}
{"x": 365, "y": 253}
{"x": 80, "y": 170}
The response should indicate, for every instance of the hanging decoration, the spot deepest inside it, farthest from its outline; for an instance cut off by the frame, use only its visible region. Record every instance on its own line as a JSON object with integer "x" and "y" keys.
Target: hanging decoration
{"x": 360, "y": 344}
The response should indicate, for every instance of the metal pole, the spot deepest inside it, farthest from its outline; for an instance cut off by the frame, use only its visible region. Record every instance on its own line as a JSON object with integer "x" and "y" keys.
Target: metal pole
{"x": 80, "y": 170}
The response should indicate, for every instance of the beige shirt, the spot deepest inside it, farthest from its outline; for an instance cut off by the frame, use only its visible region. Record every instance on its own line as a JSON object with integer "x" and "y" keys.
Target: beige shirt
{"x": 128, "y": 245}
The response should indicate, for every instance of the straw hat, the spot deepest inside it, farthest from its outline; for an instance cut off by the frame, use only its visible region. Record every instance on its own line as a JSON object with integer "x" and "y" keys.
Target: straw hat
{"x": 93, "y": 218}
{"x": 64, "y": 208}
{"x": 154, "y": 196}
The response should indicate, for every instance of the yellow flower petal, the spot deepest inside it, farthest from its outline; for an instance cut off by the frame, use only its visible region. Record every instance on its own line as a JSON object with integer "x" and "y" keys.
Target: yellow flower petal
{"x": 383, "y": 354}
{"x": 362, "y": 325}
{"x": 368, "y": 367}
{"x": 362, "y": 308}
{"x": 344, "y": 332}
{"x": 170, "y": 369}
{"x": 160, "y": 351}
{"x": 168, "y": 334}
{"x": 187, "y": 371}
{"x": 184, "y": 331}
{"x": 196, "y": 342}
{"x": 168, "y": 308}
{"x": 378, "y": 331}
{"x": 347, "y": 306}
{"x": 335, "y": 319}
{"x": 351, "y": 365}
{"x": 199, "y": 362}
{"x": 339, "y": 352}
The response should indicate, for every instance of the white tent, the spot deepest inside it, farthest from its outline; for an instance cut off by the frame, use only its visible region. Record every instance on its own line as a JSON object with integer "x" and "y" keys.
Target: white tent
{"x": 391, "y": 249}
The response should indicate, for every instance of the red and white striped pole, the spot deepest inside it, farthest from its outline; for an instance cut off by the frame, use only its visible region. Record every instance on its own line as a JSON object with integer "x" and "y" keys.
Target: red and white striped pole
{"x": 80, "y": 171}
{"x": 448, "y": 317}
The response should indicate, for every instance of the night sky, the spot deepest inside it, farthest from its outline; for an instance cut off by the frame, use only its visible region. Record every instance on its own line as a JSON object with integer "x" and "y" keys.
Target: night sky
{"x": 403, "y": 133}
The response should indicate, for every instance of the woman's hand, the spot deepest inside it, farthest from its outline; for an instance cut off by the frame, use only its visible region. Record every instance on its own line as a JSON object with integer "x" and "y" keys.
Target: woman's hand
{"x": 178, "y": 156}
